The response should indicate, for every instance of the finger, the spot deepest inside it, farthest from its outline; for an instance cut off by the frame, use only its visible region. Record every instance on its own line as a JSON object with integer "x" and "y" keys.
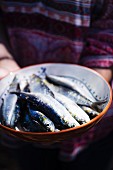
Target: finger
{"x": 3, "y": 73}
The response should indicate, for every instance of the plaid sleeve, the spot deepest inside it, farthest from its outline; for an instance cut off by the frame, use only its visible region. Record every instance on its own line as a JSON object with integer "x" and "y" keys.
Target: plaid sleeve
{"x": 98, "y": 51}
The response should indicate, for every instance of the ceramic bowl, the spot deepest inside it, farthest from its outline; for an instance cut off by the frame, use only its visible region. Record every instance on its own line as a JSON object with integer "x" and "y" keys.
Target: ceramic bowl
{"x": 94, "y": 80}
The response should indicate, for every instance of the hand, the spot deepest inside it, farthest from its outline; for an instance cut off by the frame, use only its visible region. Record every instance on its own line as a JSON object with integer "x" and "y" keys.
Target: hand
{"x": 6, "y": 66}
{"x": 106, "y": 73}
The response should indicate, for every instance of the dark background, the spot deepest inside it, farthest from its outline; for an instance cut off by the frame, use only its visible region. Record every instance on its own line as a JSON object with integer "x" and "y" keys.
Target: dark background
{"x": 99, "y": 156}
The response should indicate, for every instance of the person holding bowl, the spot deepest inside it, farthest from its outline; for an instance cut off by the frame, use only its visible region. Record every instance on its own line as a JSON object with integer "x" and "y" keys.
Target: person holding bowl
{"x": 34, "y": 32}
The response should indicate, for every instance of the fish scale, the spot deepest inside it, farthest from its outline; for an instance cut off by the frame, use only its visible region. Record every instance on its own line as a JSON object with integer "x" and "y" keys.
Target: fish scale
{"x": 73, "y": 84}
{"x": 51, "y": 108}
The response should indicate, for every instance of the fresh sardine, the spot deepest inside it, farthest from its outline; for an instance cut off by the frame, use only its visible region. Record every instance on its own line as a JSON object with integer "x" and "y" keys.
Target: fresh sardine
{"x": 42, "y": 119}
{"x": 92, "y": 113}
{"x": 72, "y": 83}
{"x": 10, "y": 106}
{"x": 75, "y": 96}
{"x": 29, "y": 125}
{"x": 36, "y": 85}
{"x": 73, "y": 108}
{"x": 10, "y": 110}
{"x": 51, "y": 108}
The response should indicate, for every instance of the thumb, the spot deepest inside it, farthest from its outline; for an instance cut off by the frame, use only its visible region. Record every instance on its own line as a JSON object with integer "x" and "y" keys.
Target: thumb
{"x": 7, "y": 66}
{"x": 3, "y": 72}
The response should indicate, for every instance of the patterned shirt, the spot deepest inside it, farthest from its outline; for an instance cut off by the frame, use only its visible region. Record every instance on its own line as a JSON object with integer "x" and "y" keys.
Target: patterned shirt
{"x": 59, "y": 30}
{"x": 68, "y": 31}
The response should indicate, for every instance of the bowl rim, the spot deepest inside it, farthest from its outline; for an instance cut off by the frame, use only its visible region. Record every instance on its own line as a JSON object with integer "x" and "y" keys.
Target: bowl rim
{"x": 98, "y": 117}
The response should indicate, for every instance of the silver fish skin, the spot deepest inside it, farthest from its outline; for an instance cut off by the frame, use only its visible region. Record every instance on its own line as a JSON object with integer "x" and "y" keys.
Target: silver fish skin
{"x": 73, "y": 108}
{"x": 10, "y": 110}
{"x": 14, "y": 85}
{"x": 73, "y": 84}
{"x": 37, "y": 85}
{"x": 42, "y": 119}
{"x": 23, "y": 84}
{"x": 29, "y": 125}
{"x": 51, "y": 108}
{"x": 75, "y": 96}
{"x": 90, "y": 112}
{"x": 19, "y": 84}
